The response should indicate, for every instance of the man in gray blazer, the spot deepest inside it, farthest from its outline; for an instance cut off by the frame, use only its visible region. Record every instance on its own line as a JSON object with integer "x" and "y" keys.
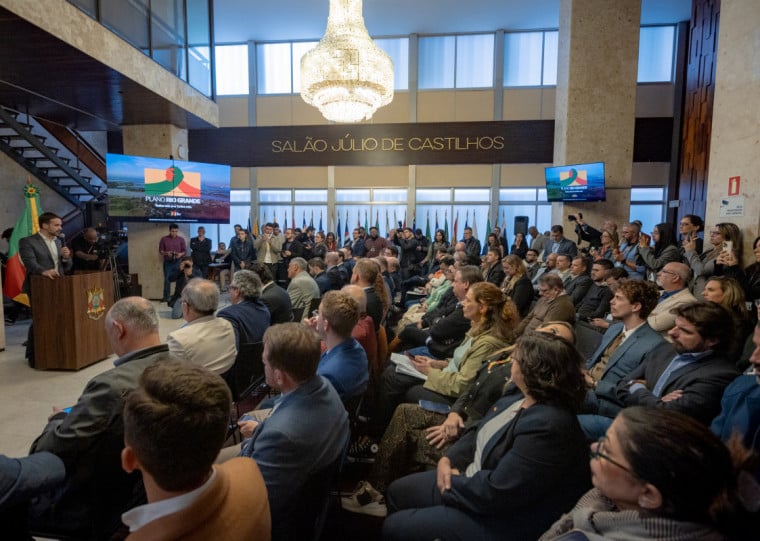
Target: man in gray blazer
{"x": 622, "y": 348}
{"x": 302, "y": 288}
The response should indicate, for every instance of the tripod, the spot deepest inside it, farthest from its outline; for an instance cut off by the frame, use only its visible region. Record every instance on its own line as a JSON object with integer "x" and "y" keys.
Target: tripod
{"x": 117, "y": 274}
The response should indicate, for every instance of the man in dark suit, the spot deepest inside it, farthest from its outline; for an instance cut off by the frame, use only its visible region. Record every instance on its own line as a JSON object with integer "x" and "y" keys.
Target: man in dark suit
{"x": 558, "y": 244}
{"x": 689, "y": 375}
{"x": 621, "y": 351}
{"x": 307, "y": 429}
{"x": 580, "y": 282}
{"x": 317, "y": 270}
{"x": 46, "y": 255}
{"x": 248, "y": 315}
{"x": 275, "y": 297}
{"x": 471, "y": 244}
{"x": 493, "y": 272}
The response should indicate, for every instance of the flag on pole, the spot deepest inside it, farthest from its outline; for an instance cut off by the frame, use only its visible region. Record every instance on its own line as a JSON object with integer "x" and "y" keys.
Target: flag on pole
{"x": 456, "y": 227}
{"x": 475, "y": 226}
{"x": 311, "y": 221}
{"x": 337, "y": 235}
{"x": 395, "y": 220}
{"x": 503, "y": 226}
{"x": 292, "y": 221}
{"x": 446, "y": 223}
{"x": 26, "y": 225}
{"x": 303, "y": 227}
{"x": 345, "y": 233}
{"x": 488, "y": 226}
{"x": 320, "y": 221}
{"x": 467, "y": 220}
{"x": 366, "y": 221}
{"x": 255, "y": 231}
{"x": 285, "y": 223}
{"x": 358, "y": 218}
{"x": 414, "y": 222}
{"x": 436, "y": 220}
{"x": 404, "y": 218}
{"x": 427, "y": 227}
{"x": 387, "y": 222}
{"x": 377, "y": 219}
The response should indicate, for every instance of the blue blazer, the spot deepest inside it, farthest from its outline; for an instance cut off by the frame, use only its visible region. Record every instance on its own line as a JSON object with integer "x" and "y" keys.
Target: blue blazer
{"x": 346, "y": 367}
{"x": 740, "y": 411}
{"x": 249, "y": 320}
{"x": 623, "y": 361}
{"x": 306, "y": 432}
{"x": 533, "y": 469}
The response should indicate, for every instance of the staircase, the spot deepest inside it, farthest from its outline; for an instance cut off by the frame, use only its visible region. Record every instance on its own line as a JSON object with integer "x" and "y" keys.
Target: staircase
{"x": 37, "y": 150}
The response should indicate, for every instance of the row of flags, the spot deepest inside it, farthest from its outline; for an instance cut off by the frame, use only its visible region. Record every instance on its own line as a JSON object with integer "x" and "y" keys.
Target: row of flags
{"x": 345, "y": 226}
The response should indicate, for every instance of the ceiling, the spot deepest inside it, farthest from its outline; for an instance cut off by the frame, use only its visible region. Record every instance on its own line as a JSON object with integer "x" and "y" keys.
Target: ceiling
{"x": 237, "y": 21}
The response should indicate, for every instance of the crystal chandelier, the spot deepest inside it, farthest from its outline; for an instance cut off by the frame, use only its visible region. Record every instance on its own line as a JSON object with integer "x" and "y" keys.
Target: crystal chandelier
{"x": 346, "y": 76}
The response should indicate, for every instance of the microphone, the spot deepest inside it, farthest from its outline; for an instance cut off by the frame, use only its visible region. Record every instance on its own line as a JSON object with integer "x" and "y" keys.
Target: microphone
{"x": 62, "y": 238}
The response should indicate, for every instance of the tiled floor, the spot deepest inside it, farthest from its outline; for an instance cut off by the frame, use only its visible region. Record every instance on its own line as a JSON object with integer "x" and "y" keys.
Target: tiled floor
{"x": 27, "y": 395}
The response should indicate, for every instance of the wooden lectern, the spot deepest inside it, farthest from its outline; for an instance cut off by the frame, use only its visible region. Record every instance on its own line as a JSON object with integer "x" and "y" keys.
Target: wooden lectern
{"x": 68, "y": 314}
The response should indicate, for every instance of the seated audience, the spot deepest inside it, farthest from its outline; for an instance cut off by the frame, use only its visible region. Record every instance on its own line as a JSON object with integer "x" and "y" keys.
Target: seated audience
{"x": 442, "y": 330}
{"x": 563, "y": 268}
{"x": 532, "y": 263}
{"x": 664, "y": 251}
{"x": 690, "y": 374}
{"x": 22, "y": 479}
{"x": 580, "y": 282}
{"x": 596, "y": 302}
{"x": 492, "y": 319}
{"x": 205, "y": 339}
{"x": 306, "y": 431}
{"x": 302, "y": 287}
{"x": 517, "y": 285}
{"x": 344, "y": 362}
{"x": 658, "y": 474}
{"x": 90, "y": 437}
{"x": 549, "y": 266}
{"x": 749, "y": 278}
{"x": 367, "y": 276}
{"x": 181, "y": 276}
{"x": 175, "y": 423}
{"x": 728, "y": 293}
{"x": 510, "y": 476}
{"x": 627, "y": 256}
{"x": 553, "y": 305}
{"x": 622, "y": 349}
{"x": 740, "y": 407}
{"x": 248, "y": 315}
{"x": 703, "y": 264}
{"x": 276, "y": 298}
{"x": 417, "y": 438}
{"x": 558, "y": 244}
{"x": 673, "y": 278}
{"x": 492, "y": 270}
{"x": 364, "y": 331}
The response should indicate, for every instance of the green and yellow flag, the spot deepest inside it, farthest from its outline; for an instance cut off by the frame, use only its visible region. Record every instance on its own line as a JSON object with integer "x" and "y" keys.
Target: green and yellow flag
{"x": 27, "y": 225}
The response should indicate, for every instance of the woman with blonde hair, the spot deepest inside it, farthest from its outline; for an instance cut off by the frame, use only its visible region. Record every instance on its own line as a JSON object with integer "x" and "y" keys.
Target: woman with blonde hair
{"x": 728, "y": 292}
{"x": 517, "y": 285}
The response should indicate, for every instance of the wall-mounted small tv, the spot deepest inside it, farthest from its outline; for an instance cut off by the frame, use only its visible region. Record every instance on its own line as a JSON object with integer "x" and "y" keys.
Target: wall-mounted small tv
{"x": 578, "y": 182}
{"x": 162, "y": 190}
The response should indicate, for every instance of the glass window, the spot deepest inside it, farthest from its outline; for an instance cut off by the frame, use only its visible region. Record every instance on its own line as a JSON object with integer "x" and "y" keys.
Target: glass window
{"x": 240, "y": 196}
{"x": 389, "y": 195}
{"x": 302, "y": 196}
{"x": 129, "y": 20}
{"x": 517, "y": 194}
{"x": 231, "y": 69}
{"x": 474, "y": 61}
{"x": 432, "y": 194}
{"x": 272, "y": 196}
{"x": 199, "y": 45}
{"x": 522, "y": 58}
{"x": 656, "y": 51}
{"x": 300, "y": 48}
{"x": 551, "y": 49}
{"x": 471, "y": 194}
{"x": 273, "y": 66}
{"x": 649, "y": 215}
{"x": 167, "y": 26}
{"x": 436, "y": 62}
{"x": 398, "y": 50}
{"x": 647, "y": 194}
{"x": 352, "y": 195}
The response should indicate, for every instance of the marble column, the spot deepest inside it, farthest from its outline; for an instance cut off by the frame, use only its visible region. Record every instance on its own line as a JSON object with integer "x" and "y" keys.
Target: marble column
{"x": 156, "y": 141}
{"x": 735, "y": 143}
{"x": 596, "y": 100}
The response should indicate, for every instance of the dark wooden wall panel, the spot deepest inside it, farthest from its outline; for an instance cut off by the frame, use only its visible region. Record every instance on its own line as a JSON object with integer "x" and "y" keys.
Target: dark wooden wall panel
{"x": 698, "y": 107}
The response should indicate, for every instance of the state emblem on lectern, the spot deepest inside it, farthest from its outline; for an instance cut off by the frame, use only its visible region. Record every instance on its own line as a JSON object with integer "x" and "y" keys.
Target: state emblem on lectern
{"x": 95, "y": 303}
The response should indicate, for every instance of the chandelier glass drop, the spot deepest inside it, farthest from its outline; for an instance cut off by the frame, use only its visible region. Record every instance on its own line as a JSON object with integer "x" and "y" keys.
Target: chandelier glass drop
{"x": 346, "y": 76}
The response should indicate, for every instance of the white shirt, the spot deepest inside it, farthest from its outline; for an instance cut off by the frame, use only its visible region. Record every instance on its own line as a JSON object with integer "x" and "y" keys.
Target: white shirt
{"x": 140, "y": 516}
{"x": 52, "y": 248}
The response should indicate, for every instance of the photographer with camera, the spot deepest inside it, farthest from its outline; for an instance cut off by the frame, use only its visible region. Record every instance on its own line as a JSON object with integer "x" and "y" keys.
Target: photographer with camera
{"x": 181, "y": 277}
{"x": 89, "y": 252}
{"x": 585, "y": 232}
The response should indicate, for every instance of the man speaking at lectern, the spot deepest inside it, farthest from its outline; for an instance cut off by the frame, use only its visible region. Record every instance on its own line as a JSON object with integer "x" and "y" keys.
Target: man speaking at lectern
{"x": 46, "y": 254}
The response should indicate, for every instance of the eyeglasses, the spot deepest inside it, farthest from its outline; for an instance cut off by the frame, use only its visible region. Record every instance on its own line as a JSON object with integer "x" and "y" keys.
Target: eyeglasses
{"x": 663, "y": 271}
{"x": 599, "y": 453}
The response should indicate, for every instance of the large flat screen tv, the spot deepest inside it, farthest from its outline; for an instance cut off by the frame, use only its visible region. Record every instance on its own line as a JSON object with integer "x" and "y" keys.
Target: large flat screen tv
{"x": 578, "y": 182}
{"x": 160, "y": 190}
